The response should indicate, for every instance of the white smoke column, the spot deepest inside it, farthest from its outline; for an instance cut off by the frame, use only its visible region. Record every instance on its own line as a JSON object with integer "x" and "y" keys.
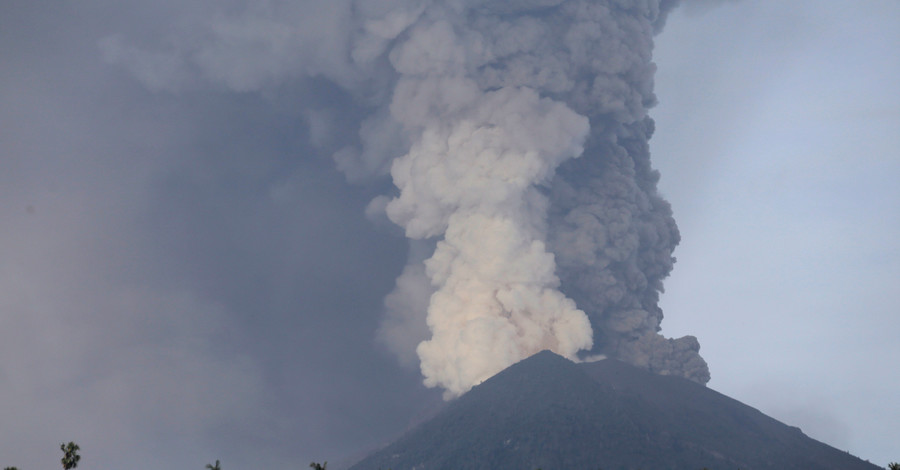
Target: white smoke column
{"x": 471, "y": 176}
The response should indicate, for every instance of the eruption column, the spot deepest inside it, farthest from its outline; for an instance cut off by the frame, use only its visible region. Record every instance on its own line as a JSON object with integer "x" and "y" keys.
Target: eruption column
{"x": 472, "y": 176}
{"x": 516, "y": 133}
{"x": 497, "y": 99}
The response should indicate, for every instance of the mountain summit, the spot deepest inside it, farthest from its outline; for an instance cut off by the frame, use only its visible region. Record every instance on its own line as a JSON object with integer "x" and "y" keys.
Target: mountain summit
{"x": 548, "y": 412}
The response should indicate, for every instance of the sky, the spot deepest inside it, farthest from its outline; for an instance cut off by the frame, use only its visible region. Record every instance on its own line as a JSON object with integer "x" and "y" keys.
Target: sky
{"x": 187, "y": 275}
{"x": 779, "y": 148}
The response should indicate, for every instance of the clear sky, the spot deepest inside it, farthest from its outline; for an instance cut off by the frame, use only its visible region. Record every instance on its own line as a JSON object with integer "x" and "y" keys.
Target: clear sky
{"x": 186, "y": 276}
{"x": 778, "y": 138}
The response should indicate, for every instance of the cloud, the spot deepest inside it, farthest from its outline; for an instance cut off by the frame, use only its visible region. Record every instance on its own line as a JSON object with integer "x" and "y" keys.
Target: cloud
{"x": 472, "y": 107}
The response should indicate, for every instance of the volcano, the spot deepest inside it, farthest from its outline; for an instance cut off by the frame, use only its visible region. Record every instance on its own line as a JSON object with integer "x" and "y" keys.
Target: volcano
{"x": 548, "y": 412}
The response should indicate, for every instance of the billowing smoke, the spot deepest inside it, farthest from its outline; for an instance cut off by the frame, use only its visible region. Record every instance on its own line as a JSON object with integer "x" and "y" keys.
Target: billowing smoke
{"x": 528, "y": 159}
{"x": 516, "y": 134}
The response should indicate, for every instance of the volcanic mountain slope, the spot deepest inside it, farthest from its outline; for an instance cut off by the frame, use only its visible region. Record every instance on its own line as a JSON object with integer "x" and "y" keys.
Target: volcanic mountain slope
{"x": 548, "y": 412}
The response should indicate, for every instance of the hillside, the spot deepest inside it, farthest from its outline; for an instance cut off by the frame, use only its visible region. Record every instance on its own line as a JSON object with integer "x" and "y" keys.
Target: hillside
{"x": 548, "y": 412}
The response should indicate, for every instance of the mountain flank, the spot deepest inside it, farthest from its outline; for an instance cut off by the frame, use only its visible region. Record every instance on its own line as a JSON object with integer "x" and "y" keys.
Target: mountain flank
{"x": 550, "y": 413}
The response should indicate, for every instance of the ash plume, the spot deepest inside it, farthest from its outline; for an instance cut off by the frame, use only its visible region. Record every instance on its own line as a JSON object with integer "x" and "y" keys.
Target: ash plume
{"x": 516, "y": 135}
{"x": 536, "y": 206}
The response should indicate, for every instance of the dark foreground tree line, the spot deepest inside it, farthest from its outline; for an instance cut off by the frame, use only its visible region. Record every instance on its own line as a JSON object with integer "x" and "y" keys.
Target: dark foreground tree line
{"x": 71, "y": 457}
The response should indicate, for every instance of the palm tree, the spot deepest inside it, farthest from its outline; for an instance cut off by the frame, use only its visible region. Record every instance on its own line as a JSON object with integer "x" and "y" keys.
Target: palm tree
{"x": 70, "y": 455}
{"x": 214, "y": 467}
{"x": 318, "y": 466}
{"x": 894, "y": 466}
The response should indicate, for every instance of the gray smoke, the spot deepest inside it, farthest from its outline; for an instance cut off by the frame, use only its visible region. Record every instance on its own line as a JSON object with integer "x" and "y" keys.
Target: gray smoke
{"x": 516, "y": 134}
{"x": 612, "y": 234}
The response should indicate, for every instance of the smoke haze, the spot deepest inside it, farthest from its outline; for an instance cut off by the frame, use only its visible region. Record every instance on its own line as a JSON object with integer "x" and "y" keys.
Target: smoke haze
{"x": 516, "y": 136}
{"x": 226, "y": 224}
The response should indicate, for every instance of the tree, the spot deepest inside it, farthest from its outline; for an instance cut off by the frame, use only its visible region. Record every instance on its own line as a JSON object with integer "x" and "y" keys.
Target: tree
{"x": 10, "y": 468}
{"x": 894, "y": 466}
{"x": 214, "y": 467}
{"x": 318, "y": 466}
{"x": 70, "y": 455}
